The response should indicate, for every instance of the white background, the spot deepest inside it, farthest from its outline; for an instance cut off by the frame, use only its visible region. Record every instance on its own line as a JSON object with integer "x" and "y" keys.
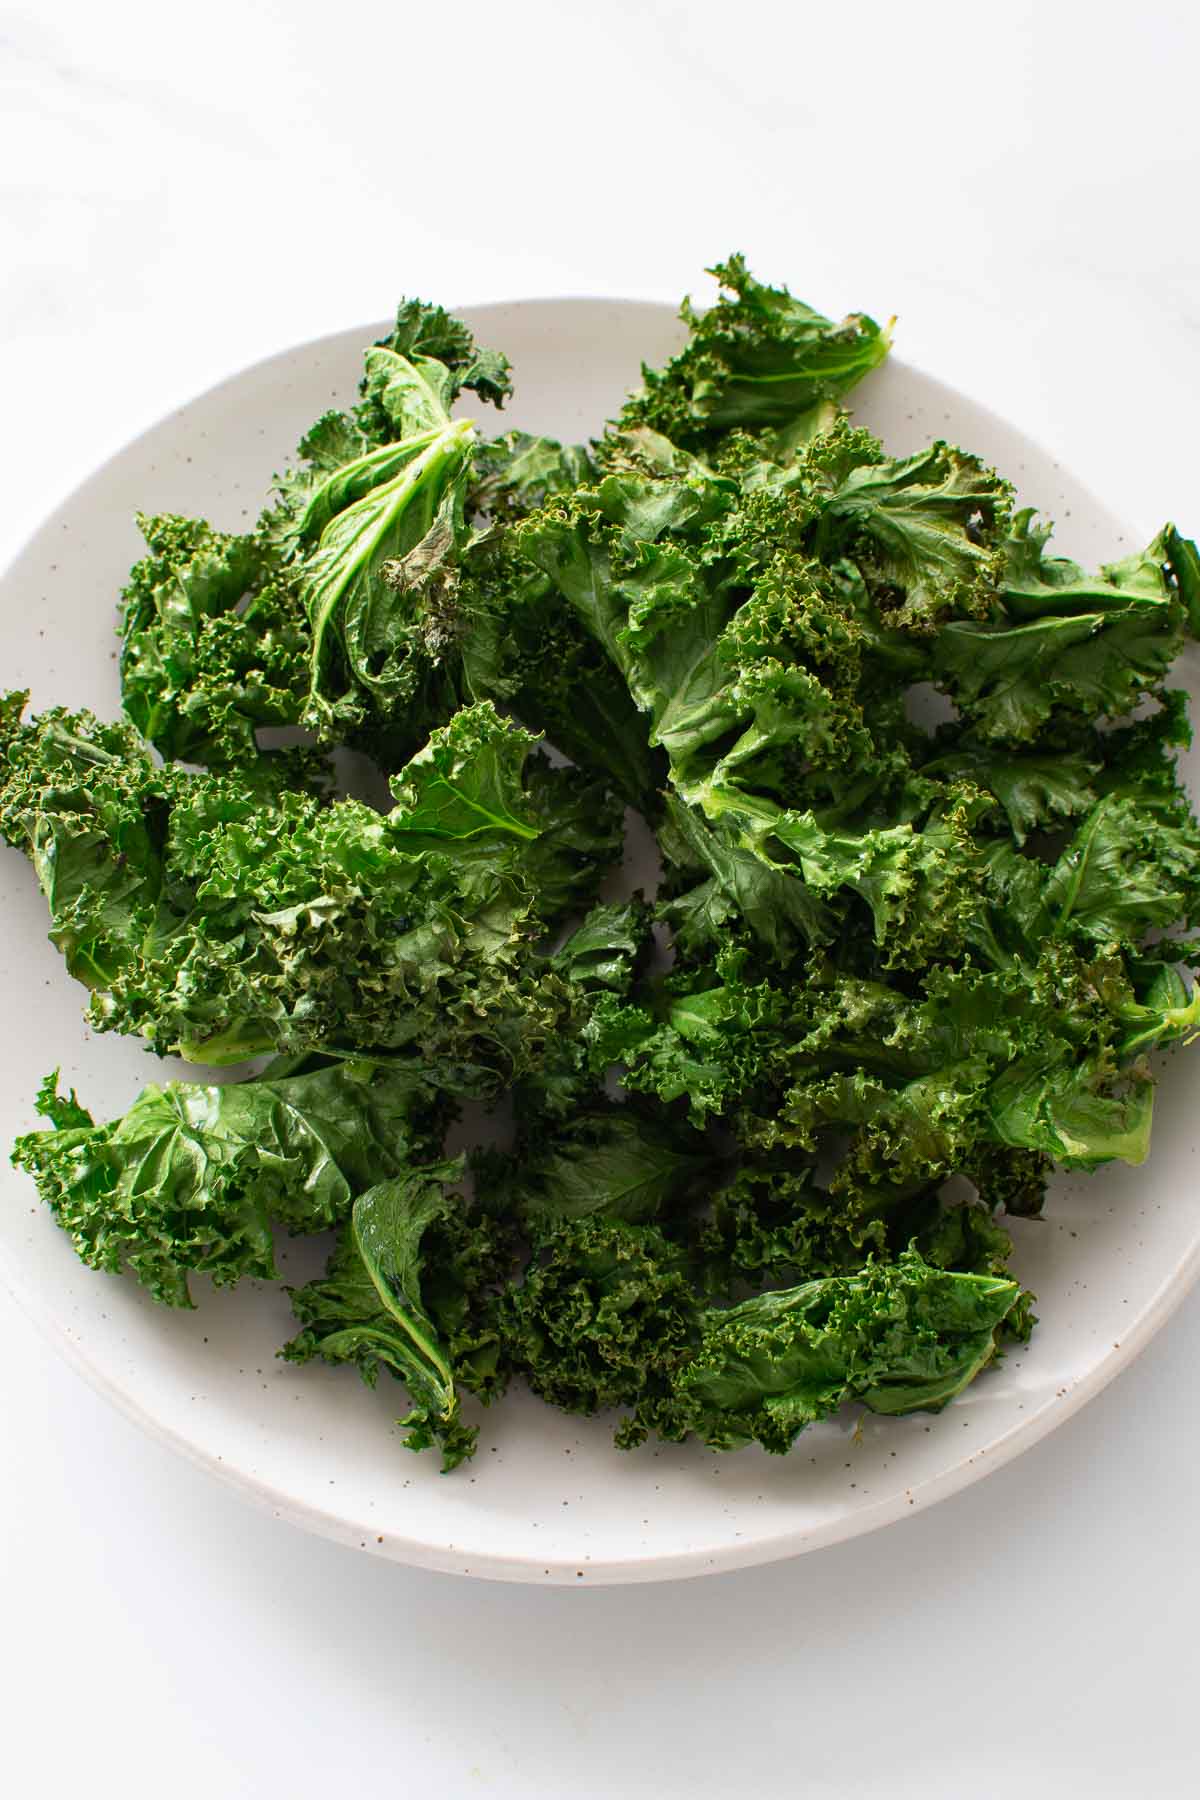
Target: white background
{"x": 183, "y": 191}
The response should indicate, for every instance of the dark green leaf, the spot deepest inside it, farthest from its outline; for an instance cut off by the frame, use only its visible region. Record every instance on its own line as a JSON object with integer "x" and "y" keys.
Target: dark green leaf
{"x": 191, "y": 1179}
{"x": 373, "y": 1307}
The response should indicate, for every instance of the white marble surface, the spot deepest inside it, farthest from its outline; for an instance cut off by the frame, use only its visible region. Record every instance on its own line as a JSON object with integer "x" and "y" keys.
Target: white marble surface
{"x": 182, "y": 192}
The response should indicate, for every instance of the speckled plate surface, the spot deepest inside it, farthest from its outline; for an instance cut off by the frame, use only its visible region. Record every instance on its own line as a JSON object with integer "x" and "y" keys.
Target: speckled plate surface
{"x": 547, "y": 1498}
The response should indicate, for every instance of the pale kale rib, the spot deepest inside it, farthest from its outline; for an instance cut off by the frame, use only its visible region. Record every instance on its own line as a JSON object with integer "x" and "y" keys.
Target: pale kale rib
{"x": 351, "y": 604}
{"x": 305, "y": 619}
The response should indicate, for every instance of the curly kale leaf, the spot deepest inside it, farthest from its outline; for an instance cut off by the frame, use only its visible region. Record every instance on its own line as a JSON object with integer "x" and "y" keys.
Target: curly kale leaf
{"x": 527, "y": 648}
{"x": 215, "y": 642}
{"x": 602, "y": 1316}
{"x": 925, "y": 531}
{"x": 412, "y": 375}
{"x": 738, "y": 886}
{"x": 414, "y": 932}
{"x": 408, "y": 1289}
{"x": 1037, "y": 789}
{"x": 709, "y": 1041}
{"x": 517, "y": 472}
{"x": 1008, "y": 680}
{"x": 372, "y": 530}
{"x": 1037, "y": 586}
{"x": 753, "y": 360}
{"x": 422, "y": 332}
{"x": 780, "y": 869}
{"x": 1041, "y": 1055}
{"x": 1079, "y": 1113}
{"x": 375, "y": 645}
{"x": 600, "y": 958}
{"x": 605, "y": 1317}
{"x": 464, "y": 788}
{"x": 608, "y": 1161}
{"x": 774, "y": 1226}
{"x": 897, "y": 1338}
{"x": 1066, "y": 642}
{"x": 1126, "y": 869}
{"x": 922, "y": 886}
{"x": 224, "y": 634}
{"x": 1183, "y": 565}
{"x": 758, "y": 676}
{"x": 334, "y": 442}
{"x": 219, "y": 921}
{"x": 605, "y": 950}
{"x": 190, "y": 1180}
{"x": 476, "y": 792}
{"x": 88, "y": 806}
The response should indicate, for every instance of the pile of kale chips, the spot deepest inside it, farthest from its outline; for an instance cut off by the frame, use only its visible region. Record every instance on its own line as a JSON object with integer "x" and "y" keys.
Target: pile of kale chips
{"x": 882, "y": 954}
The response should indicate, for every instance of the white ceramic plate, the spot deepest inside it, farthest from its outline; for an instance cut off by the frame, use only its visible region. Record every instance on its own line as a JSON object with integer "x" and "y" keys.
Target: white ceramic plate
{"x": 547, "y": 1498}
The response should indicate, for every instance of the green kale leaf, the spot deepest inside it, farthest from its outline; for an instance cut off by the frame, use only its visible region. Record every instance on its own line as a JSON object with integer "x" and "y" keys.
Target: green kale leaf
{"x": 371, "y": 531}
{"x": 88, "y": 805}
{"x": 406, "y": 1290}
{"x": 753, "y": 360}
{"x": 897, "y": 1338}
{"x": 215, "y": 643}
{"x": 612, "y": 1162}
{"x": 220, "y": 922}
{"x": 602, "y": 1316}
{"x": 191, "y": 1180}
